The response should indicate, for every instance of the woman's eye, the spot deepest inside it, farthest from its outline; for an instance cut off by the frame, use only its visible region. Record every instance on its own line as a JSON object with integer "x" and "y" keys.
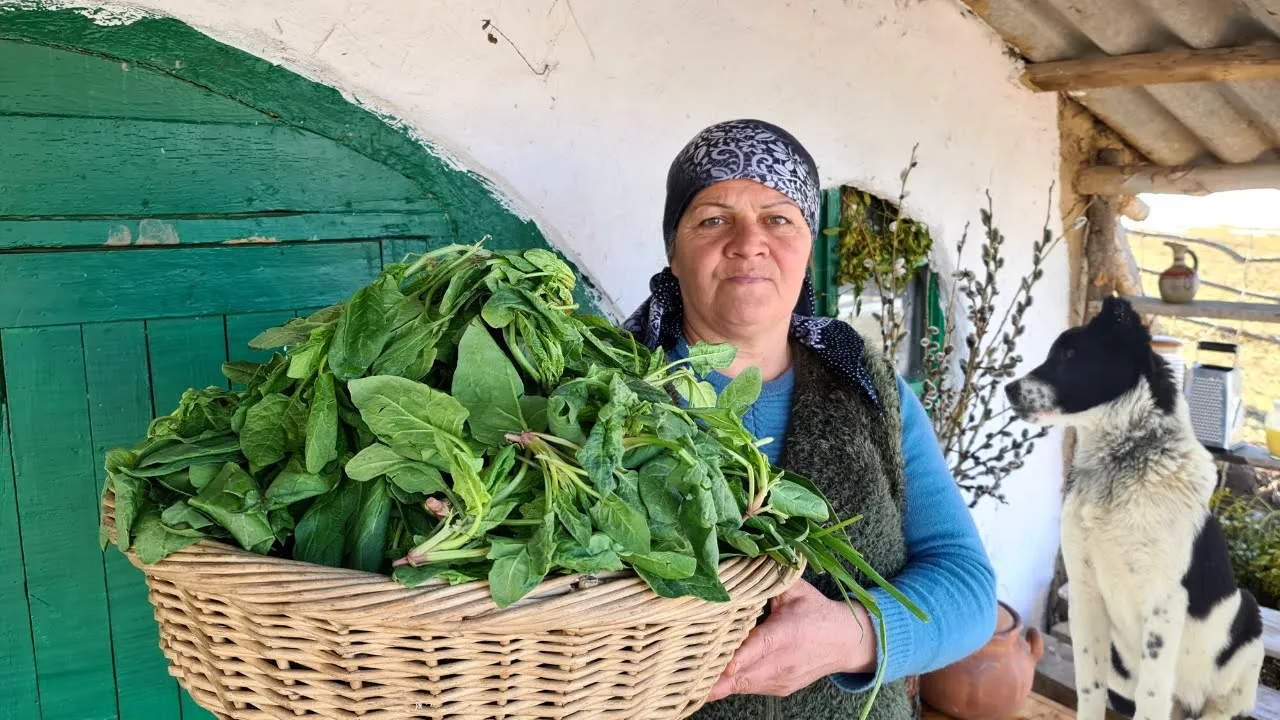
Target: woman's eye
{"x": 713, "y": 221}
{"x": 778, "y": 220}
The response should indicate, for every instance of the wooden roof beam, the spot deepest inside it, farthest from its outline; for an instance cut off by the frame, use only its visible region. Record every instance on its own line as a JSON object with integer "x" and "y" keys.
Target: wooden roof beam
{"x": 1254, "y": 62}
{"x": 1179, "y": 180}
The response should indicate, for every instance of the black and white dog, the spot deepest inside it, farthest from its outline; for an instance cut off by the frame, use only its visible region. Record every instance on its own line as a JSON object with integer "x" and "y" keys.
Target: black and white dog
{"x": 1157, "y": 622}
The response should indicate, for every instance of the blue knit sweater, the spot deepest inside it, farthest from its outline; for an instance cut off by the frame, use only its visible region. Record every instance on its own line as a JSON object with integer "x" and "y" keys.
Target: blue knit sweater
{"x": 948, "y": 574}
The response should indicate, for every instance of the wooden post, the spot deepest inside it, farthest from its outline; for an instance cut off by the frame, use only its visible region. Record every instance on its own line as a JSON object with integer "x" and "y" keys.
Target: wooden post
{"x": 1099, "y": 247}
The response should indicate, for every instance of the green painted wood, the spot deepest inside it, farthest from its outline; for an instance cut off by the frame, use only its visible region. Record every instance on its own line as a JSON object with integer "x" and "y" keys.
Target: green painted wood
{"x": 59, "y": 288}
{"x": 394, "y": 251}
{"x": 119, "y": 409}
{"x": 82, "y": 166}
{"x": 185, "y": 353}
{"x": 57, "y": 501}
{"x": 243, "y": 328}
{"x": 167, "y": 45}
{"x": 20, "y": 699}
{"x": 825, "y": 258}
{"x": 124, "y": 231}
{"x": 40, "y": 80}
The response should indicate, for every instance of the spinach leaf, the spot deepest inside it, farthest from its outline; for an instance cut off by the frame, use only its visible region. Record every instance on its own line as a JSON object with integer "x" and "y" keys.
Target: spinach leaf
{"x": 408, "y": 351}
{"x": 202, "y": 475}
{"x": 534, "y": 410}
{"x": 130, "y": 494}
{"x": 512, "y": 577}
{"x": 667, "y": 565}
{"x": 406, "y": 415}
{"x": 488, "y": 386}
{"x": 361, "y": 333}
{"x": 702, "y": 585}
{"x": 181, "y": 514}
{"x": 741, "y": 540}
{"x": 788, "y": 498}
{"x": 305, "y": 359}
{"x": 368, "y": 533}
{"x": 296, "y": 483}
{"x": 320, "y": 536}
{"x": 741, "y": 392}
{"x": 155, "y": 541}
{"x": 595, "y": 556}
{"x": 233, "y": 501}
{"x": 183, "y": 450}
{"x": 705, "y": 357}
{"x": 602, "y": 453}
{"x": 416, "y": 477}
{"x": 624, "y": 525}
{"x": 577, "y": 524}
{"x": 375, "y": 460}
{"x": 264, "y": 436}
{"x": 245, "y": 373}
{"x": 563, "y": 410}
{"x": 322, "y": 425}
{"x": 659, "y": 479}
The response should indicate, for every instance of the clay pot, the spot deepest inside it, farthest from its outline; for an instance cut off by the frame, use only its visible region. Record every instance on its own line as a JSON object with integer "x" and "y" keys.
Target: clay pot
{"x": 992, "y": 683}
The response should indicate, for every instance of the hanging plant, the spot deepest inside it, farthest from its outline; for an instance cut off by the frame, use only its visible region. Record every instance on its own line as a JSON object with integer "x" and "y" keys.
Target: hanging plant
{"x": 880, "y": 248}
{"x": 876, "y": 242}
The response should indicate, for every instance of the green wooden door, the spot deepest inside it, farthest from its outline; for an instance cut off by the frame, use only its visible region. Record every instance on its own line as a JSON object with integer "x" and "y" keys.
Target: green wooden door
{"x": 148, "y": 229}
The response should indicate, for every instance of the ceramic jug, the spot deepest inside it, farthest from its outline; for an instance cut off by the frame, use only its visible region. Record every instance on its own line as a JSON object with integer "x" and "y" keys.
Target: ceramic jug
{"x": 1179, "y": 283}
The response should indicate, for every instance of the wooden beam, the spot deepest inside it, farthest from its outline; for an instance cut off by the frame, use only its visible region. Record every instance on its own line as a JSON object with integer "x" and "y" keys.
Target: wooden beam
{"x": 1133, "y": 208}
{"x": 1177, "y": 180}
{"x": 1217, "y": 309}
{"x": 1255, "y": 62}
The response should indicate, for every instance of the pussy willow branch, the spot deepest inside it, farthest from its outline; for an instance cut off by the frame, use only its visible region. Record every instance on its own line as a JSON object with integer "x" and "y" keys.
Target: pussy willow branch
{"x": 962, "y": 387}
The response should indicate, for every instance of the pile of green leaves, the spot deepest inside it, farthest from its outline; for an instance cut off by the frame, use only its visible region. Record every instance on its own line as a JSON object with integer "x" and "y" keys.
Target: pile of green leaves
{"x": 457, "y": 419}
{"x": 1251, "y": 528}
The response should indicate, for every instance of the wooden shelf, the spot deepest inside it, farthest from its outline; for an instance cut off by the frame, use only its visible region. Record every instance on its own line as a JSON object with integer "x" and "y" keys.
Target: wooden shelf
{"x": 1219, "y": 309}
{"x": 1251, "y": 455}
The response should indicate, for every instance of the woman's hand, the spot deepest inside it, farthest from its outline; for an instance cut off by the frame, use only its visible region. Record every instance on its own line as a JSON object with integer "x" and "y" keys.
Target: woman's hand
{"x": 806, "y": 636}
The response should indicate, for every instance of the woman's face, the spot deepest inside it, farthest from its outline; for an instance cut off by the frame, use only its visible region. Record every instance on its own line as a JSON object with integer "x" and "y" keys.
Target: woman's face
{"x": 741, "y": 251}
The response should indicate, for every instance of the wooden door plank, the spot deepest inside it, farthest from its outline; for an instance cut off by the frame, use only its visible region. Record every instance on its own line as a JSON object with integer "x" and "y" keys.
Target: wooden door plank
{"x": 119, "y": 410}
{"x": 40, "y": 289}
{"x": 20, "y": 699}
{"x": 123, "y": 231}
{"x": 57, "y": 501}
{"x": 245, "y": 327}
{"x": 57, "y": 166}
{"x": 41, "y": 80}
{"x": 185, "y": 353}
{"x": 396, "y": 250}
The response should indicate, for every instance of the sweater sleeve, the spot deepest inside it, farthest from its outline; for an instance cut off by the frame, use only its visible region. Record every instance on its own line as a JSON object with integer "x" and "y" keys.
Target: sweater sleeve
{"x": 947, "y": 574}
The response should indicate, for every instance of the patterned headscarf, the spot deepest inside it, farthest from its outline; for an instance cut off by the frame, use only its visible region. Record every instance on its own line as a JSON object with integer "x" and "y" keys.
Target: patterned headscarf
{"x": 752, "y": 150}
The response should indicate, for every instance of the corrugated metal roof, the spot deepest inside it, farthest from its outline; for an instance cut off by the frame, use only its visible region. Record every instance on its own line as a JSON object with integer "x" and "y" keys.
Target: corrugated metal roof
{"x": 1177, "y": 124}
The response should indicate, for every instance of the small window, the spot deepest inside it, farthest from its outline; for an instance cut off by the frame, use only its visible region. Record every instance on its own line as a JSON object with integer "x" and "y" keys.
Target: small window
{"x": 854, "y": 216}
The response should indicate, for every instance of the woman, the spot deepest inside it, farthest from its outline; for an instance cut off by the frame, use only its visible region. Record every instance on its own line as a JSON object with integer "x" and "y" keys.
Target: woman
{"x": 740, "y": 219}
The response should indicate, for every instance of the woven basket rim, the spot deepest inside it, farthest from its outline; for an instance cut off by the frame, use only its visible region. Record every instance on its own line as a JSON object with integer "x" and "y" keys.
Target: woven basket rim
{"x": 347, "y": 598}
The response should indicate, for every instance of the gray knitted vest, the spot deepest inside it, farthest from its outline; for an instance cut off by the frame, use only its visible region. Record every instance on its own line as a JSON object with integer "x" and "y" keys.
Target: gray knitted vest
{"x": 839, "y": 440}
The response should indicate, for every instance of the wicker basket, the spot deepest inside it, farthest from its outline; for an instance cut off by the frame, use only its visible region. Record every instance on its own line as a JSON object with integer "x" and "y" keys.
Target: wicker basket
{"x": 258, "y": 638}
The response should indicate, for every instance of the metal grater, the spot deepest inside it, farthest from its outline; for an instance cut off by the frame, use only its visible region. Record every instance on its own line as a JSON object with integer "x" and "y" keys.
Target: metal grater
{"x": 1215, "y": 397}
